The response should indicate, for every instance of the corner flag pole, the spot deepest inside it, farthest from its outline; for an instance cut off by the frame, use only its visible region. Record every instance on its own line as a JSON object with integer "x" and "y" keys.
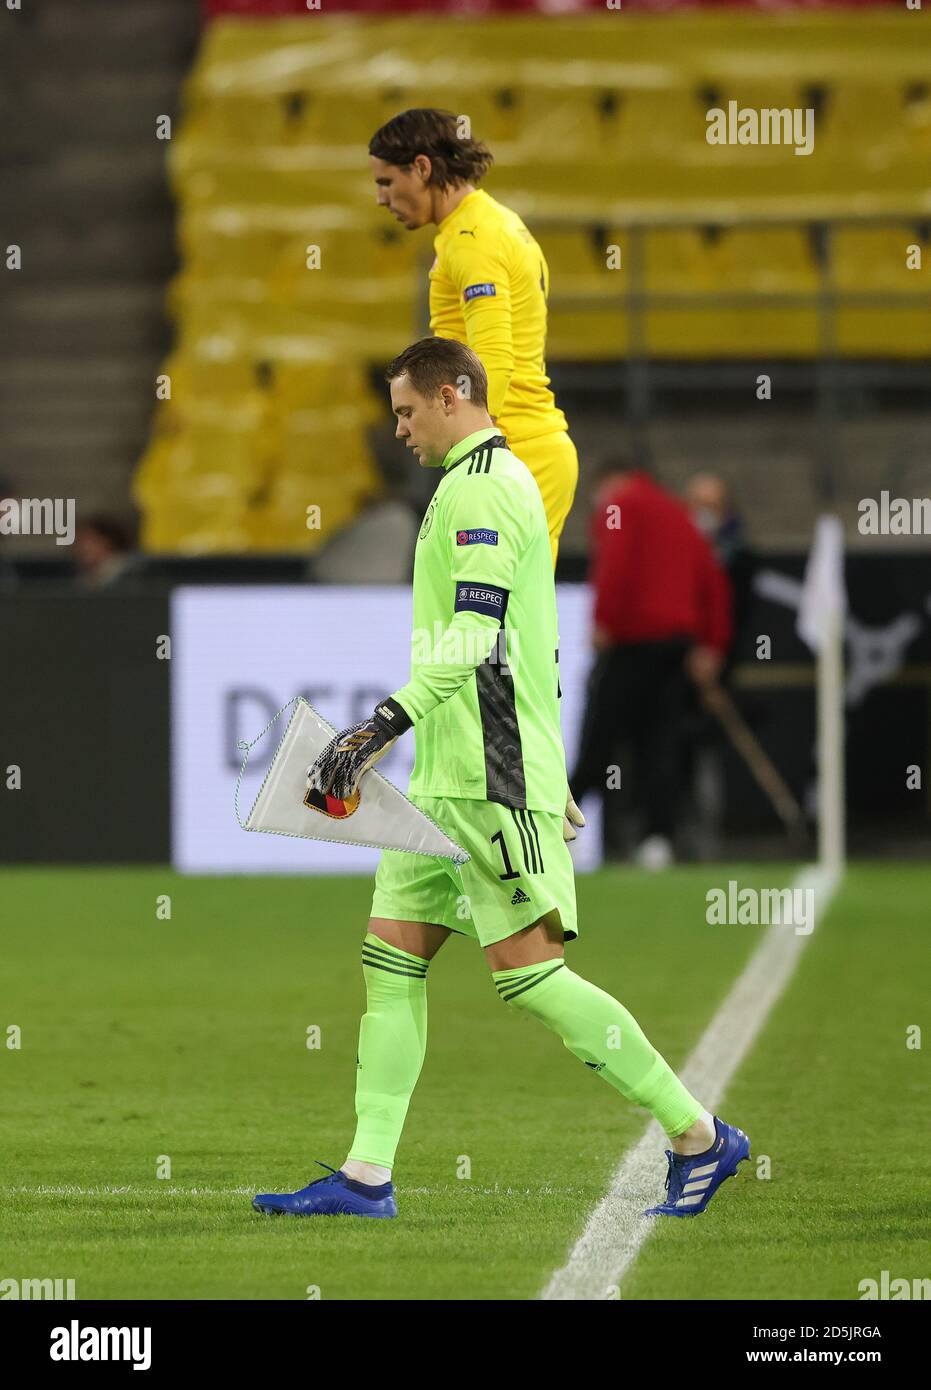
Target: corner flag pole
{"x": 830, "y": 696}
{"x": 821, "y": 624}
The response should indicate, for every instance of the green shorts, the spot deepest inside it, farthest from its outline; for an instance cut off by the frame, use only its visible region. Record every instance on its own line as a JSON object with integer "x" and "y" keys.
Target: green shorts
{"x": 520, "y": 870}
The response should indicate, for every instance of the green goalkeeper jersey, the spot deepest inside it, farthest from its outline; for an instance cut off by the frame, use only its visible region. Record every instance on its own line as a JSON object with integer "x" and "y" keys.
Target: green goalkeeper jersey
{"x": 484, "y": 687}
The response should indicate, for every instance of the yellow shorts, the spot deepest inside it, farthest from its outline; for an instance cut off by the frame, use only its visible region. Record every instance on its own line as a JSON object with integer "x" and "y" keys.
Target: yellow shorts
{"x": 554, "y": 463}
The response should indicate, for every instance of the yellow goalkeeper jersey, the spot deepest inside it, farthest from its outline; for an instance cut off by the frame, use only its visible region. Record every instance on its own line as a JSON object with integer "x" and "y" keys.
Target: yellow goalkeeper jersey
{"x": 488, "y": 288}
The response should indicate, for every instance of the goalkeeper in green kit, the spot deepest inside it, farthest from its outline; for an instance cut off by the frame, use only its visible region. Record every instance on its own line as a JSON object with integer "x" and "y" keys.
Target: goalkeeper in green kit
{"x": 483, "y": 700}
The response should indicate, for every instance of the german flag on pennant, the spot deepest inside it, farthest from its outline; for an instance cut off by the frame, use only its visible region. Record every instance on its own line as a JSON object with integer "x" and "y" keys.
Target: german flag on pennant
{"x": 377, "y": 815}
{"x": 331, "y": 805}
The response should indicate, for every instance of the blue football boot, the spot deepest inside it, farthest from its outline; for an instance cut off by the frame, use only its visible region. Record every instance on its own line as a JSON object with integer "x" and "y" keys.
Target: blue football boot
{"x": 335, "y": 1195}
{"x": 693, "y": 1179}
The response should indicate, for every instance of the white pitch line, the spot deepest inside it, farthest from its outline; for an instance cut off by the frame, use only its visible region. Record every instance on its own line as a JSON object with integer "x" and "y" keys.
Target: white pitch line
{"x": 616, "y": 1228}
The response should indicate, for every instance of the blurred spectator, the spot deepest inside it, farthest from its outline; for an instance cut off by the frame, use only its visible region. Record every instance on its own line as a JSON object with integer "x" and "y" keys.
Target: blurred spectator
{"x": 376, "y": 548}
{"x": 713, "y": 512}
{"x": 716, "y": 516}
{"x": 103, "y": 551}
{"x": 662, "y": 615}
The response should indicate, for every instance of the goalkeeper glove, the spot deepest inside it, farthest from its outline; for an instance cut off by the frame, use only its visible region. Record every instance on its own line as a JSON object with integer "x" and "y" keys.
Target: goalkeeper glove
{"x": 571, "y": 819}
{"x": 340, "y": 767}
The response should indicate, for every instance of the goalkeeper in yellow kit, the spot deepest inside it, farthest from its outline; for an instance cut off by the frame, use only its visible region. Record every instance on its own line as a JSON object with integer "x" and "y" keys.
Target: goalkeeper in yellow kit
{"x": 488, "y": 287}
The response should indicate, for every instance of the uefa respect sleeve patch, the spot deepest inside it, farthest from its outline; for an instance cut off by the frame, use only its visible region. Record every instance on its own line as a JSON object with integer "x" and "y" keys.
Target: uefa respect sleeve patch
{"x": 480, "y": 536}
{"x": 481, "y": 598}
{"x": 478, "y": 291}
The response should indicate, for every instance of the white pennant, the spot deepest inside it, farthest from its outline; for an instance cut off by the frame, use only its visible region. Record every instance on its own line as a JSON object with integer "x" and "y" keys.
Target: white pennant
{"x": 383, "y": 819}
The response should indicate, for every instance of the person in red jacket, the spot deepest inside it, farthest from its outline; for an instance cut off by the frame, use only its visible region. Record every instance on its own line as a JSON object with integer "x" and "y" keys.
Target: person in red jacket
{"x": 662, "y": 616}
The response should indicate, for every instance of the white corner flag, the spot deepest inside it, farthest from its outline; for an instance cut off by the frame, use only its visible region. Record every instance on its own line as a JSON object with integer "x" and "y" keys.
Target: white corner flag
{"x": 378, "y": 815}
{"x": 820, "y": 624}
{"x": 823, "y": 602}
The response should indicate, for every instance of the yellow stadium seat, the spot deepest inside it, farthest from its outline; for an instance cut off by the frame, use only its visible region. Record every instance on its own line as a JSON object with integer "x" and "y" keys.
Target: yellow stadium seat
{"x": 584, "y": 261}
{"x": 706, "y": 331}
{"x": 876, "y": 258}
{"x": 864, "y": 121}
{"x": 663, "y": 123}
{"x": 680, "y": 260}
{"x": 884, "y": 331}
{"x": 765, "y": 260}
{"x": 580, "y": 335}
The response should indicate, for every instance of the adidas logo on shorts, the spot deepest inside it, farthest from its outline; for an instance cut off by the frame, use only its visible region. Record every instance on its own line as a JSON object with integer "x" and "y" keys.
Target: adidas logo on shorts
{"x": 519, "y": 897}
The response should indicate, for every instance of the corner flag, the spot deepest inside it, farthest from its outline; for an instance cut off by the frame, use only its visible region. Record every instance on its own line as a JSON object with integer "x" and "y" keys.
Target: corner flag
{"x": 824, "y": 598}
{"x": 379, "y": 816}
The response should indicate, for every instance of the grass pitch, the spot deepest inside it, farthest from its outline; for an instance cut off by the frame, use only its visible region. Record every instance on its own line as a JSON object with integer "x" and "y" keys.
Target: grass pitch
{"x": 147, "y": 1043}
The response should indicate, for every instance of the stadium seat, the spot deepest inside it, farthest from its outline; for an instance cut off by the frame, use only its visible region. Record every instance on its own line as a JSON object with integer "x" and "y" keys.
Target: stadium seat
{"x": 872, "y": 258}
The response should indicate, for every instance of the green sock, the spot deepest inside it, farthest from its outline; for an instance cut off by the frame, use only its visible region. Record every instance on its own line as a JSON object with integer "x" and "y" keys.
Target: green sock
{"x": 392, "y": 1044}
{"x": 599, "y": 1030}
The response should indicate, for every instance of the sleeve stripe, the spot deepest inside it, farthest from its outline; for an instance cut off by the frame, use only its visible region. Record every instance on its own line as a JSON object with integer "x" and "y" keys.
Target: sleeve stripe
{"x": 482, "y": 462}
